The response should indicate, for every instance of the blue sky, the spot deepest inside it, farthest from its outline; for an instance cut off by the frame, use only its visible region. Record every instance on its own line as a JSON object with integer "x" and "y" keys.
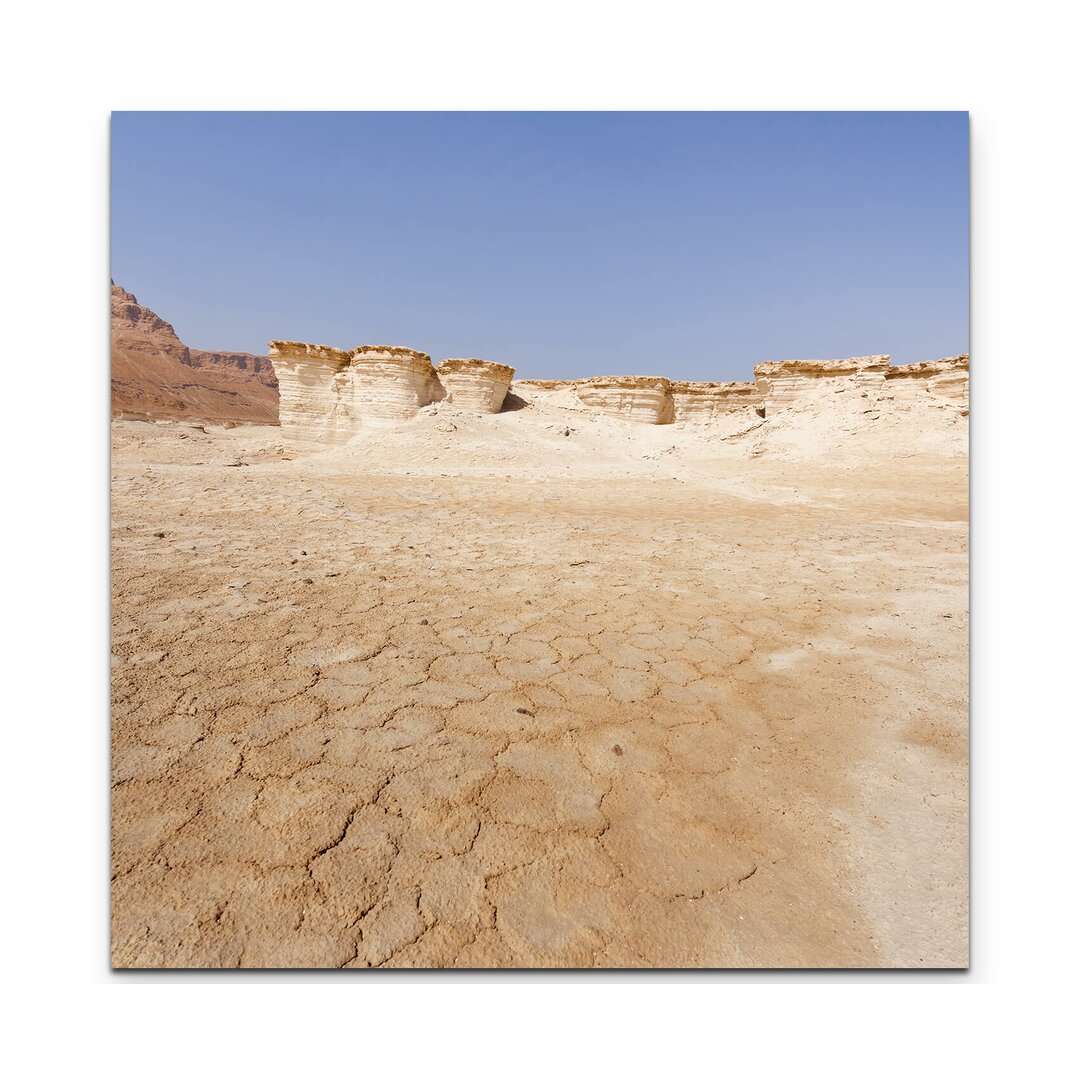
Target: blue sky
{"x": 692, "y": 245}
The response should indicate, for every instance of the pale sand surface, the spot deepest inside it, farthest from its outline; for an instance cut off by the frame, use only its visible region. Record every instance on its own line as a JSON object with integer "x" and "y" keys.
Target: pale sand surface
{"x": 474, "y": 692}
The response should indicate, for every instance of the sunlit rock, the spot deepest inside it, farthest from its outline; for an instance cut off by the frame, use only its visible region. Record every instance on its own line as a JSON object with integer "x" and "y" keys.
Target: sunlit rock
{"x": 474, "y": 384}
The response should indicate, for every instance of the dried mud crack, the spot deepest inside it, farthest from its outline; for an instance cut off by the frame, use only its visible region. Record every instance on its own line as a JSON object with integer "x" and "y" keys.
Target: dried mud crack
{"x": 419, "y": 714}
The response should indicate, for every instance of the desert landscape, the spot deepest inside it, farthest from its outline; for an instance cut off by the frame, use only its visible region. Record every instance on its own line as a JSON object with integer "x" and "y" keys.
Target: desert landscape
{"x": 425, "y": 665}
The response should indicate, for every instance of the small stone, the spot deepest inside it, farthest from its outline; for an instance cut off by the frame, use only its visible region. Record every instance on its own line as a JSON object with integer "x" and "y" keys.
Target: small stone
{"x": 617, "y": 749}
{"x": 525, "y": 712}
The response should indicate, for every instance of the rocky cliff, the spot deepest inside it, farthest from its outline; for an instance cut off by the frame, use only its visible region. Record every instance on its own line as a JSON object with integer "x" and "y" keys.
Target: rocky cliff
{"x": 707, "y": 401}
{"x": 474, "y": 384}
{"x": 154, "y": 374}
{"x": 329, "y": 394}
{"x": 651, "y": 400}
{"x": 388, "y": 382}
{"x": 313, "y": 409}
{"x": 642, "y": 399}
{"x": 786, "y": 381}
{"x": 941, "y": 379}
{"x": 869, "y": 379}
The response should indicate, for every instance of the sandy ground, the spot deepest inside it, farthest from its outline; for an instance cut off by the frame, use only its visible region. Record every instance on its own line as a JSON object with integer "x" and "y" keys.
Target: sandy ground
{"x": 538, "y": 689}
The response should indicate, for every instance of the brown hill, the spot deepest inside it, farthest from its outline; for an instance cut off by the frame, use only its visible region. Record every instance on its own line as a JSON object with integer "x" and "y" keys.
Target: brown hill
{"x": 155, "y": 374}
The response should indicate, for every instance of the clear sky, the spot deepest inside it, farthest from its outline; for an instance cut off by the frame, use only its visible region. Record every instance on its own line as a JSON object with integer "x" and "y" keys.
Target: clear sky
{"x": 692, "y": 245}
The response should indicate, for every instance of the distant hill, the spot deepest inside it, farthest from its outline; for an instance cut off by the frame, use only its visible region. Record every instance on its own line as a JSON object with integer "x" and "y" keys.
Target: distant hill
{"x": 155, "y": 374}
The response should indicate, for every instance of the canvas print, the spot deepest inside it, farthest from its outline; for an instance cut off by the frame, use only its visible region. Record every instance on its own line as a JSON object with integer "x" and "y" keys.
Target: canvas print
{"x": 539, "y": 540}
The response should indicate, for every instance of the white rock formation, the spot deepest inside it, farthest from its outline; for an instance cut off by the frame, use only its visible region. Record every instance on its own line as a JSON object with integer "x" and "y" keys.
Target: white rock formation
{"x": 935, "y": 380}
{"x": 388, "y": 382}
{"x": 652, "y": 399}
{"x": 312, "y": 412}
{"x": 641, "y": 398}
{"x": 694, "y": 401}
{"x": 328, "y": 394}
{"x": 474, "y": 384}
{"x": 786, "y": 381}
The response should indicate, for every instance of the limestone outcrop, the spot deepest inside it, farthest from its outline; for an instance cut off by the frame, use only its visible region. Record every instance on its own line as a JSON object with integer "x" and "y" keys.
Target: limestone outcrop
{"x": 871, "y": 378}
{"x": 312, "y": 408}
{"x": 651, "y": 399}
{"x": 329, "y": 394}
{"x": 943, "y": 379}
{"x": 693, "y": 401}
{"x": 643, "y": 399}
{"x": 786, "y": 381}
{"x": 475, "y": 384}
{"x": 389, "y": 382}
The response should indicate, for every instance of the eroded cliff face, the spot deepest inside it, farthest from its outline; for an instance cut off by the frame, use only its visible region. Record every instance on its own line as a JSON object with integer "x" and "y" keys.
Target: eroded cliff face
{"x": 786, "y": 381}
{"x": 156, "y": 376}
{"x": 945, "y": 379}
{"x": 862, "y": 380}
{"x": 328, "y": 394}
{"x": 475, "y": 384}
{"x": 651, "y": 399}
{"x": 642, "y": 399}
{"x": 708, "y": 401}
{"x": 388, "y": 383}
{"x": 313, "y": 412}
{"x": 245, "y": 365}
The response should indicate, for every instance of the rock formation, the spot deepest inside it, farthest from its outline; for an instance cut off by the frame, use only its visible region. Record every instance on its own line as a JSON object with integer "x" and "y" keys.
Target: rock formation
{"x": 328, "y": 394}
{"x": 947, "y": 379}
{"x": 244, "y": 364}
{"x": 388, "y": 382}
{"x": 474, "y": 384}
{"x": 312, "y": 409}
{"x": 786, "y": 381}
{"x": 643, "y": 399}
{"x": 653, "y": 399}
{"x": 155, "y": 375}
{"x": 706, "y": 401}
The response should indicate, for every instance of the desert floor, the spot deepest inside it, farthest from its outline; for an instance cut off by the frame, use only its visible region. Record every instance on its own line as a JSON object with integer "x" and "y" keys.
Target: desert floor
{"x": 519, "y": 690}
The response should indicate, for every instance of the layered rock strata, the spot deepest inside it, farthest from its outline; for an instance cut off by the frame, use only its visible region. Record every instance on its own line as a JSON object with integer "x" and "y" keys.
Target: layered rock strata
{"x": 475, "y": 384}
{"x": 388, "y": 382}
{"x": 786, "y": 381}
{"x": 313, "y": 410}
{"x": 945, "y": 379}
{"x": 693, "y": 401}
{"x": 653, "y": 399}
{"x": 643, "y": 399}
{"x": 329, "y": 394}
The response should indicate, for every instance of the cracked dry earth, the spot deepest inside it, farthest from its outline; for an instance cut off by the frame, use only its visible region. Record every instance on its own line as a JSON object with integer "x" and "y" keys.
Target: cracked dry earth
{"x": 458, "y": 720}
